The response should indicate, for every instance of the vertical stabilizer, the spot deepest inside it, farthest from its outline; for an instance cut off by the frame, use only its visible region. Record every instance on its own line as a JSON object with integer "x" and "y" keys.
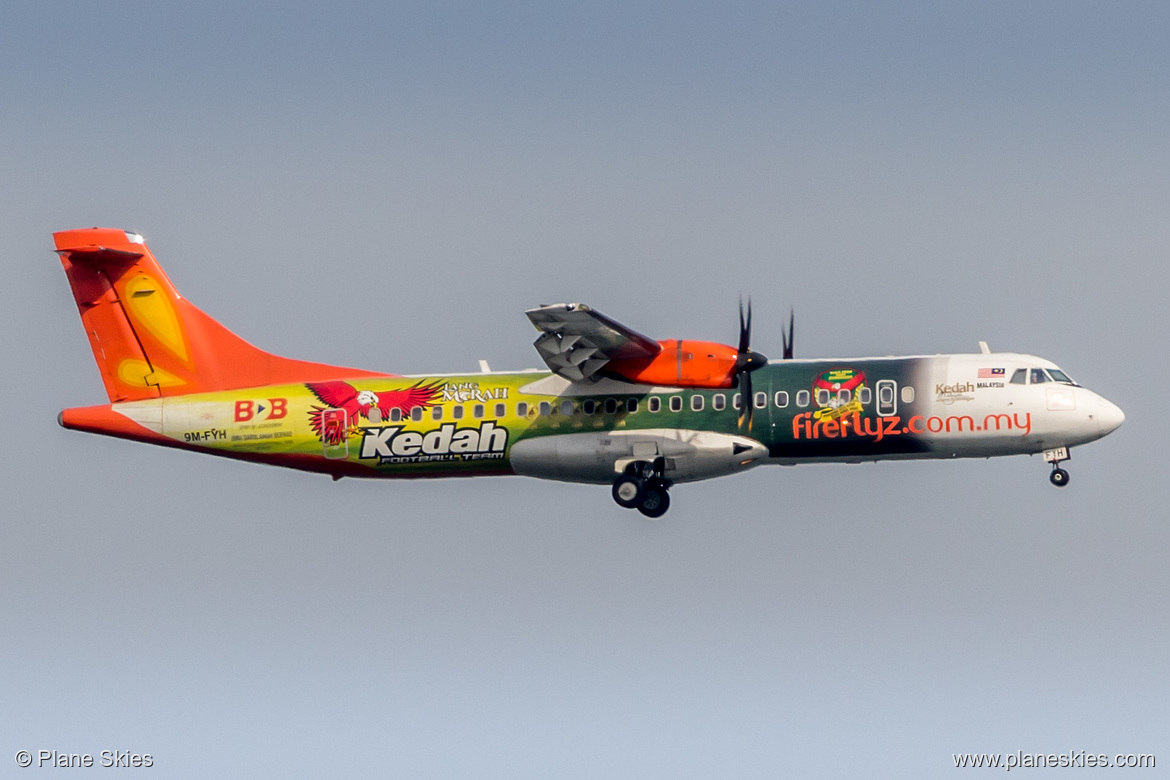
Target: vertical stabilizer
{"x": 148, "y": 340}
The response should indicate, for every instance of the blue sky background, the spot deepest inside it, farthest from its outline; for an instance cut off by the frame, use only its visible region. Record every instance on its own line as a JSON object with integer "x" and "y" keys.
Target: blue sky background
{"x": 390, "y": 185}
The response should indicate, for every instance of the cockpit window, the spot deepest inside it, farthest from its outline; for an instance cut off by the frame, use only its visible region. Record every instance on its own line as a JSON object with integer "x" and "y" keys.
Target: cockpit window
{"x": 1038, "y": 376}
{"x": 1060, "y": 376}
{"x": 1020, "y": 377}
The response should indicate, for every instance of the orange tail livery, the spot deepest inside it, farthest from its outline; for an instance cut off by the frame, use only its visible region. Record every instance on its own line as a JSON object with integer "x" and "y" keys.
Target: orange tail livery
{"x": 149, "y": 342}
{"x": 147, "y": 339}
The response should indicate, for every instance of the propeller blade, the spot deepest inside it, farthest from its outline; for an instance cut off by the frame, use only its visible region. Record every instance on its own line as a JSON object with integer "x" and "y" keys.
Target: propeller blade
{"x": 746, "y": 359}
{"x": 745, "y": 327}
{"x": 788, "y": 334}
{"x": 745, "y": 399}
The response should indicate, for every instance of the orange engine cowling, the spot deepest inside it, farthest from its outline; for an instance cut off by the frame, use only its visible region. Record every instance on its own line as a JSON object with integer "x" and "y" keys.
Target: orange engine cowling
{"x": 681, "y": 364}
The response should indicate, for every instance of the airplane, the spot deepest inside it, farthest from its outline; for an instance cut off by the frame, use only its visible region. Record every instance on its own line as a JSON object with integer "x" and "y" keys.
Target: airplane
{"x": 613, "y": 407}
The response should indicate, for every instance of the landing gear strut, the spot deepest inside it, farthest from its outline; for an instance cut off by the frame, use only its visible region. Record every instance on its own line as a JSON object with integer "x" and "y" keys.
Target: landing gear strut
{"x": 643, "y": 487}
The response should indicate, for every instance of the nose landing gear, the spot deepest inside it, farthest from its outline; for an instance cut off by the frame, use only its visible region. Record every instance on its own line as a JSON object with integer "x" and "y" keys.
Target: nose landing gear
{"x": 643, "y": 487}
{"x": 1056, "y": 456}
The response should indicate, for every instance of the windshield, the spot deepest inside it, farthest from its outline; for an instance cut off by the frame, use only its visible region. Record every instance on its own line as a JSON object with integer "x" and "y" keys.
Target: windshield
{"x": 1061, "y": 377}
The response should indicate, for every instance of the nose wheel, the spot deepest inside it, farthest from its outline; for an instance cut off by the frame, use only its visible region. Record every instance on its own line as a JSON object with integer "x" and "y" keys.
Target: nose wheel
{"x": 643, "y": 487}
{"x": 1056, "y": 456}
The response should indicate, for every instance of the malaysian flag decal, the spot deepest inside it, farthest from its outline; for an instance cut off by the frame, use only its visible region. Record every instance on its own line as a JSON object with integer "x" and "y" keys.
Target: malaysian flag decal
{"x": 991, "y": 373}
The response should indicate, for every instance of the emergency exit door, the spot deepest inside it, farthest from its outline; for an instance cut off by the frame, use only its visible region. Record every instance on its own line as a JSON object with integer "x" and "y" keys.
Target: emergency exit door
{"x": 887, "y": 398}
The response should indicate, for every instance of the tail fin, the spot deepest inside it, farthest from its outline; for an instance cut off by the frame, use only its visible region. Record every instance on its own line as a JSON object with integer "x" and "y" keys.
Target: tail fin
{"x": 148, "y": 340}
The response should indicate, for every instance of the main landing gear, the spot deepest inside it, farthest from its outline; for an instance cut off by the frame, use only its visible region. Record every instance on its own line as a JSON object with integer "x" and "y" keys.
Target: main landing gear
{"x": 641, "y": 486}
{"x": 1058, "y": 477}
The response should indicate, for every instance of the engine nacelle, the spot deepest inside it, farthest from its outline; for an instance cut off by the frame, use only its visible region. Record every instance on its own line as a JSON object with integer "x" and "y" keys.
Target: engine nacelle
{"x": 681, "y": 364}
{"x": 598, "y": 457}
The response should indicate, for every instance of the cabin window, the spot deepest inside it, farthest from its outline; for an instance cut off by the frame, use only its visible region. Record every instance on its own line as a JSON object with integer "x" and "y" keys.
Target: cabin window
{"x": 1020, "y": 377}
{"x": 781, "y": 399}
{"x": 676, "y": 403}
{"x": 436, "y": 413}
{"x": 477, "y": 411}
{"x": 375, "y": 415}
{"x": 395, "y": 414}
{"x": 822, "y": 397}
{"x": 567, "y": 408}
{"x": 500, "y": 410}
{"x": 736, "y": 401}
{"x": 545, "y": 409}
{"x": 864, "y": 395}
{"x": 844, "y": 395}
{"x": 654, "y": 404}
{"x": 1038, "y": 376}
{"x": 696, "y": 403}
{"x": 610, "y": 405}
{"x": 588, "y": 407}
{"x": 457, "y": 412}
{"x": 802, "y": 398}
{"x": 631, "y": 405}
{"x": 416, "y": 413}
{"x": 521, "y": 409}
{"x": 907, "y": 395}
{"x": 761, "y": 400}
{"x": 719, "y": 402}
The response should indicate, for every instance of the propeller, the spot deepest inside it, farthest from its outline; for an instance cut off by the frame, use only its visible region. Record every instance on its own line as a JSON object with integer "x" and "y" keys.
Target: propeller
{"x": 746, "y": 361}
{"x": 787, "y": 334}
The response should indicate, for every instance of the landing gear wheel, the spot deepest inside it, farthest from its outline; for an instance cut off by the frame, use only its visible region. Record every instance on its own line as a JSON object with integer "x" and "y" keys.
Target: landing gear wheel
{"x": 628, "y": 491}
{"x": 655, "y": 501}
{"x": 1059, "y": 477}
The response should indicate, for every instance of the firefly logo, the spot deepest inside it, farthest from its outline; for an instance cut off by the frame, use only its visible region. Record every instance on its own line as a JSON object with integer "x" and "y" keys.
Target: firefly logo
{"x": 804, "y": 426}
{"x": 277, "y": 409}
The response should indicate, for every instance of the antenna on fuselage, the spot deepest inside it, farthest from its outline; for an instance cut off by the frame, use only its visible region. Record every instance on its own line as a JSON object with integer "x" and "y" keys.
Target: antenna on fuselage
{"x": 986, "y": 350}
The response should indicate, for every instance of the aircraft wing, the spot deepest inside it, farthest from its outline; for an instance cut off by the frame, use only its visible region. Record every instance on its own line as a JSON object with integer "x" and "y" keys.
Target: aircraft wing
{"x": 576, "y": 342}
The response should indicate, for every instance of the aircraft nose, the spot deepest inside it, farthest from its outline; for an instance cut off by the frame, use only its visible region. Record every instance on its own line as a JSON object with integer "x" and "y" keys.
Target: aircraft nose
{"x": 1109, "y": 416}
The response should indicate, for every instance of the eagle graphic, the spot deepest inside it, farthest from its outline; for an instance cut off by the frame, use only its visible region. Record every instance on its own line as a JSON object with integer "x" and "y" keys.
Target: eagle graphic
{"x": 358, "y": 403}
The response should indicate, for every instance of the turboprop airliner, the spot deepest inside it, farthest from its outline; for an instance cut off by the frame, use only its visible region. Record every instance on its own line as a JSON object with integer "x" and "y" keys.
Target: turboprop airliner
{"x": 612, "y": 407}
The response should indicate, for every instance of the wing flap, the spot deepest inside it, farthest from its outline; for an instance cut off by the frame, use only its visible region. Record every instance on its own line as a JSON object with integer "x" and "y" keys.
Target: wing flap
{"x": 576, "y": 341}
